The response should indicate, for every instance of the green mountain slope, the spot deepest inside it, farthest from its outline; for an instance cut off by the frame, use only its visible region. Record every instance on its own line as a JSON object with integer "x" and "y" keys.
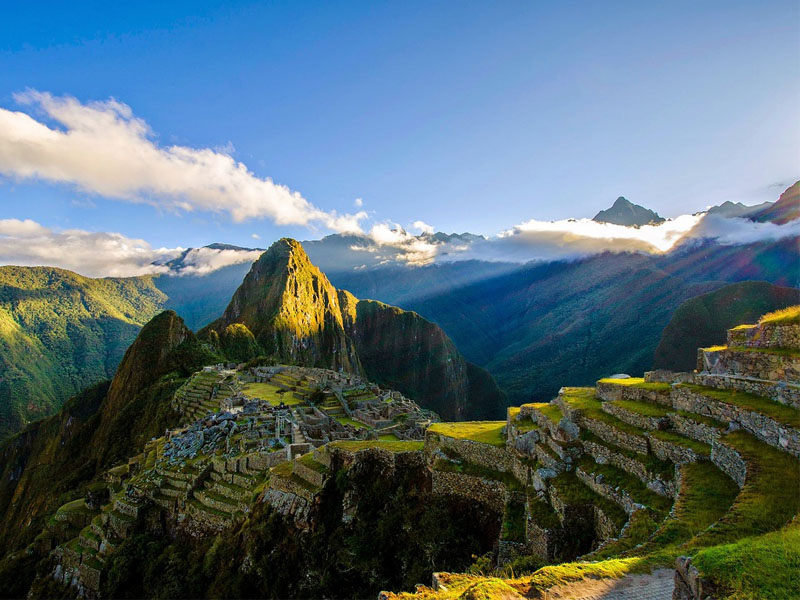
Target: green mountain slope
{"x": 703, "y": 321}
{"x": 60, "y": 332}
{"x": 52, "y": 460}
{"x": 295, "y": 315}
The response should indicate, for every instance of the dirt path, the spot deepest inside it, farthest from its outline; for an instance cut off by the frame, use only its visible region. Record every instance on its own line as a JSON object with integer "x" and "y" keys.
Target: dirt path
{"x": 658, "y": 585}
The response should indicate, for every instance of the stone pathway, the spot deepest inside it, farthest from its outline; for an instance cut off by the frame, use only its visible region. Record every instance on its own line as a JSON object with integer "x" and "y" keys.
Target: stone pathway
{"x": 658, "y": 585}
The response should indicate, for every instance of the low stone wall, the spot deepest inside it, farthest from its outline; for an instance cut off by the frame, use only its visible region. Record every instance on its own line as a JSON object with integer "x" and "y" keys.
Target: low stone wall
{"x": 310, "y": 475}
{"x": 634, "y": 418}
{"x": 766, "y": 336}
{"x": 604, "y": 527}
{"x": 604, "y": 455}
{"x": 595, "y": 483}
{"x": 689, "y": 585}
{"x": 761, "y": 426}
{"x": 729, "y": 461}
{"x": 761, "y": 365}
{"x": 508, "y": 551}
{"x": 262, "y": 461}
{"x": 674, "y": 453}
{"x": 611, "y": 391}
{"x": 695, "y": 429}
{"x": 289, "y": 505}
{"x": 614, "y": 436}
{"x": 290, "y": 486}
{"x": 485, "y": 491}
{"x": 781, "y": 391}
{"x": 541, "y": 542}
{"x": 665, "y": 376}
{"x": 485, "y": 455}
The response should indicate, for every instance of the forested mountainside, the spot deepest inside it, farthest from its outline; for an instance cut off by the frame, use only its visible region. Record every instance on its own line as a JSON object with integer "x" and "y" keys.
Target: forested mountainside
{"x": 288, "y": 311}
{"x": 61, "y": 332}
{"x": 587, "y": 318}
{"x": 53, "y": 460}
{"x": 703, "y": 321}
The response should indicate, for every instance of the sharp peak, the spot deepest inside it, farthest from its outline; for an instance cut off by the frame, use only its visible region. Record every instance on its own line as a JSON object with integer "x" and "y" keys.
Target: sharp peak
{"x": 622, "y": 200}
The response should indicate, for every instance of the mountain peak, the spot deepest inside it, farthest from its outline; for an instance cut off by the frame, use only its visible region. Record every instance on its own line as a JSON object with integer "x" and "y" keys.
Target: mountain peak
{"x": 625, "y": 212}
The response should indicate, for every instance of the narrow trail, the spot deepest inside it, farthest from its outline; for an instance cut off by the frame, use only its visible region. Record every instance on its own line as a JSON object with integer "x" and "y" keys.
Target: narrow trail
{"x": 658, "y": 585}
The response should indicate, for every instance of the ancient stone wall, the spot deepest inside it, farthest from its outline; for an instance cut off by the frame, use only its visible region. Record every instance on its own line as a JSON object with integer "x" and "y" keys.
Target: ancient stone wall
{"x": 485, "y": 491}
{"x": 729, "y": 461}
{"x": 780, "y": 391}
{"x": 614, "y": 436}
{"x": 760, "y": 425}
{"x": 750, "y": 363}
{"x": 610, "y": 391}
{"x": 766, "y": 336}
{"x": 634, "y": 418}
{"x": 491, "y": 457}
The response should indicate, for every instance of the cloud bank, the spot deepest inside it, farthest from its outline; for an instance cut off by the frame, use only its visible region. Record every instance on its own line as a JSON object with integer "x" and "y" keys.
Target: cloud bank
{"x": 103, "y": 149}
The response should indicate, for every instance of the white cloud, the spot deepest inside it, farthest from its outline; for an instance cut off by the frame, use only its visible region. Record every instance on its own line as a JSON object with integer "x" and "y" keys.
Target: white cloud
{"x": 202, "y": 261}
{"x": 423, "y": 227}
{"x": 255, "y": 236}
{"x": 28, "y": 243}
{"x": 104, "y": 149}
{"x": 359, "y": 202}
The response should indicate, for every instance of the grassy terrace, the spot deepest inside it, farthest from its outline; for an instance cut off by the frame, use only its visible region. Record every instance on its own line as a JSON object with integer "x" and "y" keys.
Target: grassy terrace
{"x": 584, "y": 400}
{"x": 484, "y": 432}
{"x": 769, "y": 498}
{"x": 638, "y": 491}
{"x": 785, "y": 316}
{"x": 542, "y": 513}
{"x": 663, "y": 468}
{"x": 269, "y": 392}
{"x": 701, "y": 419}
{"x": 573, "y": 491}
{"x": 551, "y": 411}
{"x": 642, "y": 408}
{"x": 776, "y": 351}
{"x": 638, "y": 382}
{"x": 349, "y": 421}
{"x": 783, "y": 414}
{"x": 307, "y": 460}
{"x": 468, "y": 468}
{"x": 514, "y": 522}
{"x": 391, "y": 446}
{"x": 699, "y": 448}
{"x": 764, "y": 566}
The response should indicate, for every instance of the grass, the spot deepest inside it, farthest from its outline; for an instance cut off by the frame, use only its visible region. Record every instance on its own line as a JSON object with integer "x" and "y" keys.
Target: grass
{"x": 714, "y": 348}
{"x": 638, "y": 382}
{"x": 781, "y": 413}
{"x": 638, "y": 491}
{"x": 701, "y": 419}
{"x": 514, "y": 522}
{"x": 542, "y": 513}
{"x": 769, "y": 498}
{"x": 551, "y": 411}
{"x": 786, "y": 316}
{"x": 766, "y": 566}
{"x": 671, "y": 437}
{"x": 388, "y": 437}
{"x": 584, "y": 400}
{"x": 468, "y": 468}
{"x": 269, "y": 392}
{"x": 573, "y": 491}
{"x": 642, "y": 408}
{"x": 353, "y": 422}
{"x": 391, "y": 446}
{"x": 654, "y": 465}
{"x": 484, "y": 432}
{"x": 307, "y": 460}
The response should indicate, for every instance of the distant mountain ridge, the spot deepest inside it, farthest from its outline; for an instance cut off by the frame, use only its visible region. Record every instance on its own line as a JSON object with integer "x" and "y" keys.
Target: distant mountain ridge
{"x": 287, "y": 310}
{"x": 625, "y": 212}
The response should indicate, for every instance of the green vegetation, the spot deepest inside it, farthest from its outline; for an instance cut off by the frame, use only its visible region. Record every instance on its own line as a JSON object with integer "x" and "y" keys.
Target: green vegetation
{"x": 484, "y": 432}
{"x": 704, "y": 320}
{"x": 542, "y": 513}
{"x": 551, "y": 411}
{"x": 710, "y": 422}
{"x": 642, "y": 408}
{"x": 60, "y": 333}
{"x": 391, "y": 446}
{"x": 786, "y": 316}
{"x": 638, "y": 382}
{"x": 696, "y": 446}
{"x": 349, "y": 421}
{"x": 308, "y": 460}
{"x": 638, "y": 491}
{"x": 786, "y": 415}
{"x": 662, "y": 468}
{"x": 467, "y": 468}
{"x": 765, "y": 566}
{"x": 584, "y": 400}
{"x": 572, "y": 490}
{"x": 271, "y": 393}
{"x": 514, "y": 522}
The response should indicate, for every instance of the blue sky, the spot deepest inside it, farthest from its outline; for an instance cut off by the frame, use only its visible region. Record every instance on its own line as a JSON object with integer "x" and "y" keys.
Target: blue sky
{"x": 468, "y": 116}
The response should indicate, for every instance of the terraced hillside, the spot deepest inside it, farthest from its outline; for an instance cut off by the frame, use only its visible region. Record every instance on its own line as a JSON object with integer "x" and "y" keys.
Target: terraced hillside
{"x": 697, "y": 473}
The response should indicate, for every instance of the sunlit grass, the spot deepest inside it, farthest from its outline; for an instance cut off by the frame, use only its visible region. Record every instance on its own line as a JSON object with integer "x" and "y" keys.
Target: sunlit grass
{"x": 485, "y": 432}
